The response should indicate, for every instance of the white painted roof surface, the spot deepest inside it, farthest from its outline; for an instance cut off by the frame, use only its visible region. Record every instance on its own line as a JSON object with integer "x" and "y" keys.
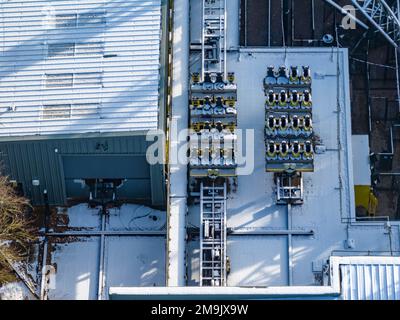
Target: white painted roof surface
{"x": 328, "y": 192}
{"x": 352, "y": 278}
{"x": 328, "y": 207}
{"x": 367, "y": 278}
{"x": 107, "y": 55}
{"x": 178, "y": 171}
{"x": 77, "y": 270}
{"x": 361, "y": 164}
{"x": 253, "y": 206}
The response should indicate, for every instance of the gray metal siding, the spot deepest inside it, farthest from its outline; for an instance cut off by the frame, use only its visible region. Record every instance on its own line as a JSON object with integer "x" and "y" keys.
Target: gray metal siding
{"x": 105, "y": 167}
{"x": 42, "y": 159}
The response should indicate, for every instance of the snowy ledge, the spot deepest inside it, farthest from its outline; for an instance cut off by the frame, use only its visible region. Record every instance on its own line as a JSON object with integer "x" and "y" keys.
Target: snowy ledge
{"x": 221, "y": 293}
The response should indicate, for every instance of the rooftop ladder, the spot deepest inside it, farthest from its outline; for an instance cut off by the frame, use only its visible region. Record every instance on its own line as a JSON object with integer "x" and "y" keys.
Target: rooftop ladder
{"x": 213, "y": 43}
{"x": 213, "y": 235}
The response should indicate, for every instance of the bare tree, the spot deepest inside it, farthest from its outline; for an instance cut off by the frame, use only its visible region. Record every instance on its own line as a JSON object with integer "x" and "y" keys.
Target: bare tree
{"x": 15, "y": 229}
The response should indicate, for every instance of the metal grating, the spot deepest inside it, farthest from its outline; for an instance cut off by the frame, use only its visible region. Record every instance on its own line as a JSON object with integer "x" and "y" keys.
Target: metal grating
{"x": 214, "y": 37}
{"x": 384, "y": 17}
{"x": 213, "y": 235}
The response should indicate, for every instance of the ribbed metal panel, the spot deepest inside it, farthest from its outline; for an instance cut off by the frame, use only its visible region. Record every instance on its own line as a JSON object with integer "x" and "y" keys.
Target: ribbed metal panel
{"x": 103, "y": 59}
{"x": 370, "y": 281}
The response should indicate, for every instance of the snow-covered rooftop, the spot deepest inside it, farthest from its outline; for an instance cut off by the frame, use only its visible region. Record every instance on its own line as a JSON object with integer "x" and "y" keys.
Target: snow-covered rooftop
{"x": 361, "y": 163}
{"x": 79, "y": 66}
{"x": 297, "y": 240}
{"x": 274, "y": 250}
{"x": 353, "y": 278}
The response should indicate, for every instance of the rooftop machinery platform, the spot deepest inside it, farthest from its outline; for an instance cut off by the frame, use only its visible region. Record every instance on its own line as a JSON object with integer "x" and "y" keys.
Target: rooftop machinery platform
{"x": 212, "y": 102}
{"x": 289, "y": 135}
{"x": 270, "y": 243}
{"x": 213, "y": 121}
{"x": 283, "y": 226}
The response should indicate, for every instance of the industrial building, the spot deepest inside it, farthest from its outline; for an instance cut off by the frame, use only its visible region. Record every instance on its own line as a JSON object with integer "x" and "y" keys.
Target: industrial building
{"x": 281, "y": 225}
{"x": 83, "y": 94}
{"x": 302, "y": 222}
{"x": 281, "y": 172}
{"x": 82, "y": 83}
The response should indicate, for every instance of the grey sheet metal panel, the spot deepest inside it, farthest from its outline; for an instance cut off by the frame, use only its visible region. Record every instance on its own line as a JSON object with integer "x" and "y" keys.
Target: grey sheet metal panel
{"x": 105, "y": 167}
{"x": 42, "y": 159}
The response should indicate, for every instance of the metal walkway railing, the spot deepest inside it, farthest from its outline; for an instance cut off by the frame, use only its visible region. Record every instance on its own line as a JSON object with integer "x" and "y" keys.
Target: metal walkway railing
{"x": 213, "y": 45}
{"x": 213, "y": 235}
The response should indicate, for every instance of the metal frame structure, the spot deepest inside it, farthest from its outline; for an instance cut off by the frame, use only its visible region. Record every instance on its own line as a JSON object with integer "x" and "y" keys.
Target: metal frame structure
{"x": 290, "y": 192}
{"x": 214, "y": 31}
{"x": 384, "y": 17}
{"x": 289, "y": 168}
{"x": 213, "y": 235}
{"x": 213, "y": 89}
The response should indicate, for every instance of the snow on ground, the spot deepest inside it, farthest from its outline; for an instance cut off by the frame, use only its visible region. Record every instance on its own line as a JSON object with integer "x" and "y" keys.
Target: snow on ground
{"x": 193, "y": 260}
{"x": 129, "y": 260}
{"x": 136, "y": 217}
{"x": 127, "y": 217}
{"x": 15, "y": 291}
{"x": 264, "y": 260}
{"x": 135, "y": 261}
{"x": 253, "y": 266}
{"x": 76, "y": 270}
{"x": 32, "y": 265}
{"x": 80, "y": 216}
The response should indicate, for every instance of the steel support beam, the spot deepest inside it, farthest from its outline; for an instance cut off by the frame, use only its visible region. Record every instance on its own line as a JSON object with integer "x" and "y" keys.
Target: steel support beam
{"x": 383, "y": 17}
{"x": 260, "y": 232}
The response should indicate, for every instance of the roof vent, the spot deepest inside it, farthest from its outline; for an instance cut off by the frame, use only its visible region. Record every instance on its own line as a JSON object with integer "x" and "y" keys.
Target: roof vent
{"x": 327, "y": 38}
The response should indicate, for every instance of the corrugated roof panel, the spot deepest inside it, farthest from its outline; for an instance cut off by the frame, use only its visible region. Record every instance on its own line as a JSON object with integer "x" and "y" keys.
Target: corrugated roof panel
{"x": 370, "y": 281}
{"x": 97, "y": 52}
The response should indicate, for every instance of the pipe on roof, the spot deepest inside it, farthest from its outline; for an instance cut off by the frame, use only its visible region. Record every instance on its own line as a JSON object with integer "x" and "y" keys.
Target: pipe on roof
{"x": 176, "y": 242}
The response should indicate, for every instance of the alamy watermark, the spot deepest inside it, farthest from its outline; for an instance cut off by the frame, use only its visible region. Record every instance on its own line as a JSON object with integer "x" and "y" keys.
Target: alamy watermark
{"x": 238, "y": 147}
{"x": 348, "y": 21}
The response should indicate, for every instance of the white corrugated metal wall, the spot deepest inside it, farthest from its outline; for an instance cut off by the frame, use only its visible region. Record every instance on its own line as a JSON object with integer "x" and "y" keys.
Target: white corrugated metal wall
{"x": 72, "y": 66}
{"x": 370, "y": 281}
